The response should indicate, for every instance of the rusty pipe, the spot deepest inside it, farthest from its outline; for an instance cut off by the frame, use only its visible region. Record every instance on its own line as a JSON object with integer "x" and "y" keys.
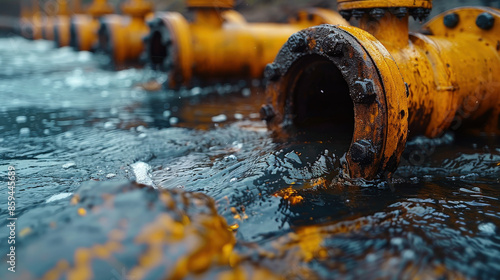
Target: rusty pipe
{"x": 375, "y": 85}
{"x": 84, "y": 27}
{"x": 121, "y": 37}
{"x": 219, "y": 43}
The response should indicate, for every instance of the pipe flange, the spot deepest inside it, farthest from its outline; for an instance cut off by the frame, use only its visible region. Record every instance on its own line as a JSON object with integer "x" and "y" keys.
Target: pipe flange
{"x": 169, "y": 47}
{"x": 377, "y": 8}
{"x": 343, "y": 5}
{"x": 377, "y": 98}
{"x": 219, "y": 4}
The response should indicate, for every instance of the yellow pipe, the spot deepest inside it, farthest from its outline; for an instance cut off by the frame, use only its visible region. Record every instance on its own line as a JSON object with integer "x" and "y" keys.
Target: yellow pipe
{"x": 62, "y": 24}
{"x": 121, "y": 37}
{"x": 83, "y": 28}
{"x": 374, "y": 85}
{"x": 31, "y": 21}
{"x": 60, "y": 9}
{"x": 219, "y": 43}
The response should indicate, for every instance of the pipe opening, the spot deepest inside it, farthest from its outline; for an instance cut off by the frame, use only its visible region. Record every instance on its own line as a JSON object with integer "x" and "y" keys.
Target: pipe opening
{"x": 56, "y": 36}
{"x": 157, "y": 50}
{"x": 320, "y": 107}
{"x": 104, "y": 38}
{"x": 73, "y": 39}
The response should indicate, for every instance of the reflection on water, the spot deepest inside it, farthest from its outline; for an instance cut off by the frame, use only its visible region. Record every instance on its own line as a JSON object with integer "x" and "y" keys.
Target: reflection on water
{"x": 65, "y": 122}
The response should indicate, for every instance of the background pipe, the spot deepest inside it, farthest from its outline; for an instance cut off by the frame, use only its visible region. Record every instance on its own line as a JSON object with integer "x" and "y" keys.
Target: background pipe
{"x": 83, "y": 28}
{"x": 30, "y": 22}
{"x": 53, "y": 11}
{"x": 219, "y": 43}
{"x": 62, "y": 25}
{"x": 121, "y": 37}
{"x": 371, "y": 87}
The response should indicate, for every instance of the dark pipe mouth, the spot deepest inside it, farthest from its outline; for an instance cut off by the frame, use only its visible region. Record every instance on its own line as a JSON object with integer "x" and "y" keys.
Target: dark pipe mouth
{"x": 157, "y": 50}
{"x": 105, "y": 43}
{"x": 335, "y": 83}
{"x": 319, "y": 106}
{"x": 73, "y": 41}
{"x": 57, "y": 40}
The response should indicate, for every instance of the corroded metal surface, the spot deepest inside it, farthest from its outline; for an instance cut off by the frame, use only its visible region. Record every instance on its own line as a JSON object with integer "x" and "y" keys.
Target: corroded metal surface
{"x": 398, "y": 83}
{"x": 376, "y": 137}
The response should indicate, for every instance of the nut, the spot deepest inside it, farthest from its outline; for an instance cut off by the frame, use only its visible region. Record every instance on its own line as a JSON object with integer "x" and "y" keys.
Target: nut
{"x": 272, "y": 72}
{"x": 364, "y": 92}
{"x": 332, "y": 46}
{"x": 346, "y": 14}
{"x": 485, "y": 21}
{"x": 362, "y": 152}
{"x": 358, "y": 13}
{"x": 377, "y": 13}
{"x": 297, "y": 42}
{"x": 267, "y": 112}
{"x": 451, "y": 20}
{"x": 400, "y": 12}
{"x": 156, "y": 22}
{"x": 420, "y": 13}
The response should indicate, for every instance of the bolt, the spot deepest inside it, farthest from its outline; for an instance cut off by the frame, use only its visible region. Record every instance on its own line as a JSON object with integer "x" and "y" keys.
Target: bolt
{"x": 358, "y": 13}
{"x": 400, "y": 12}
{"x": 165, "y": 38}
{"x": 267, "y": 112}
{"x": 297, "y": 42}
{"x": 377, "y": 13}
{"x": 346, "y": 14}
{"x": 364, "y": 92}
{"x": 362, "y": 152}
{"x": 272, "y": 72}
{"x": 420, "y": 13}
{"x": 485, "y": 21}
{"x": 154, "y": 23}
{"x": 451, "y": 20}
{"x": 332, "y": 46}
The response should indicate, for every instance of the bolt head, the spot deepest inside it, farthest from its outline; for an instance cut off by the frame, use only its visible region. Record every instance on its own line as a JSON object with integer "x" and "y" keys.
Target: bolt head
{"x": 272, "y": 72}
{"x": 362, "y": 152}
{"x": 400, "y": 12}
{"x": 420, "y": 13}
{"x": 377, "y": 13}
{"x": 332, "y": 46}
{"x": 451, "y": 20}
{"x": 154, "y": 23}
{"x": 364, "y": 92}
{"x": 346, "y": 14}
{"x": 297, "y": 42}
{"x": 358, "y": 13}
{"x": 267, "y": 112}
{"x": 485, "y": 21}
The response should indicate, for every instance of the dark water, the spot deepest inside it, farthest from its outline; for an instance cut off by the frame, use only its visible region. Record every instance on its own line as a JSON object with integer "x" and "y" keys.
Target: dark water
{"x": 77, "y": 134}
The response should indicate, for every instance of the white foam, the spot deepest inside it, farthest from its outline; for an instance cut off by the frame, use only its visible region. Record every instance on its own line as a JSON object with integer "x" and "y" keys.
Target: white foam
{"x": 219, "y": 118}
{"x": 58, "y": 197}
{"x": 141, "y": 171}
